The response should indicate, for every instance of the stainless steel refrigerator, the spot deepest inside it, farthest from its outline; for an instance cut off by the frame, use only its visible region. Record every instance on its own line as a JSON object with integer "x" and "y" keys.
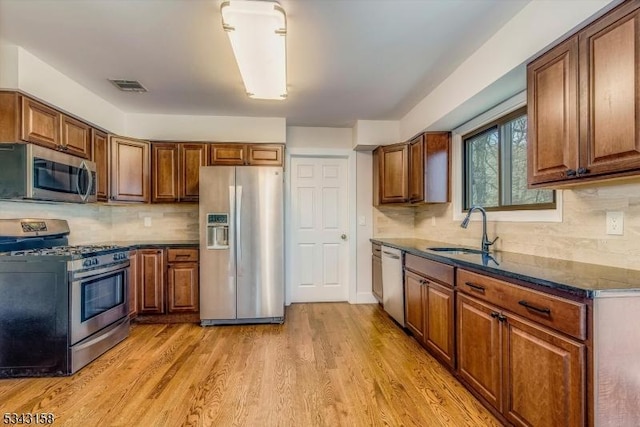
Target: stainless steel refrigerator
{"x": 241, "y": 245}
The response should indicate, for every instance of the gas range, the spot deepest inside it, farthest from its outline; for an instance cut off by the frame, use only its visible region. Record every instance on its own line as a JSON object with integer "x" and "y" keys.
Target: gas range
{"x": 63, "y": 306}
{"x": 78, "y": 257}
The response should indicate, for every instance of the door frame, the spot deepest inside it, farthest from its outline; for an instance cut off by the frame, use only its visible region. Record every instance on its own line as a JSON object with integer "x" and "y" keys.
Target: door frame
{"x": 326, "y": 153}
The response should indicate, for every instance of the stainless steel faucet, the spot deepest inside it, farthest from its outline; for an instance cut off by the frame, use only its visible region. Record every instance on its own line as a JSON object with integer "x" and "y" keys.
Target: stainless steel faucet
{"x": 485, "y": 240}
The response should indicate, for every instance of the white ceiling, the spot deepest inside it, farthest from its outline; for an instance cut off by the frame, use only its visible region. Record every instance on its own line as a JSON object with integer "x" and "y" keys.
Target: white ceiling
{"x": 347, "y": 59}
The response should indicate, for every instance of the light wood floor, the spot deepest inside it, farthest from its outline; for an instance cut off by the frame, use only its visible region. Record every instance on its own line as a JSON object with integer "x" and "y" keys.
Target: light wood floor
{"x": 328, "y": 365}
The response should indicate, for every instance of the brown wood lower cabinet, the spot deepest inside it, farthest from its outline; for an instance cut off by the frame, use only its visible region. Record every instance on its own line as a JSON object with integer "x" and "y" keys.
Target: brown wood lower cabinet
{"x": 151, "y": 267}
{"x": 530, "y": 374}
{"x": 167, "y": 284}
{"x": 133, "y": 283}
{"x": 429, "y": 305}
{"x": 182, "y": 281}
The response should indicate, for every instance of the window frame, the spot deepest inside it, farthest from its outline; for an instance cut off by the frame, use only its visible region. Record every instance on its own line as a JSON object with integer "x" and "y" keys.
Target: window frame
{"x": 503, "y": 162}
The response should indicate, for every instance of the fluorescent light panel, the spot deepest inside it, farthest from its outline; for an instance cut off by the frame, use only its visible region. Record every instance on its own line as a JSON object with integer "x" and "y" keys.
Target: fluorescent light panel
{"x": 256, "y": 30}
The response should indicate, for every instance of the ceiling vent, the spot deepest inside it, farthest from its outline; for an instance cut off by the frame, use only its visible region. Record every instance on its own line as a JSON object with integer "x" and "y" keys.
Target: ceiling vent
{"x": 128, "y": 85}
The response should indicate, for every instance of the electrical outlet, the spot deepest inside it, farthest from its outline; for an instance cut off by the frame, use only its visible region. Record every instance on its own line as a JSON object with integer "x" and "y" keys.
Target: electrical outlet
{"x": 362, "y": 220}
{"x": 147, "y": 221}
{"x": 615, "y": 223}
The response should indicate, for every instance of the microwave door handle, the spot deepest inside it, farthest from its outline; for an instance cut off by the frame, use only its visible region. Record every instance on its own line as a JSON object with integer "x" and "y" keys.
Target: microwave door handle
{"x": 78, "y": 180}
{"x": 84, "y": 171}
{"x": 89, "y": 182}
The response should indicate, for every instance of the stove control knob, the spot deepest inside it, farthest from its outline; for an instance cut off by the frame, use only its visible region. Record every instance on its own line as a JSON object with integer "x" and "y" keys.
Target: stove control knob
{"x": 90, "y": 262}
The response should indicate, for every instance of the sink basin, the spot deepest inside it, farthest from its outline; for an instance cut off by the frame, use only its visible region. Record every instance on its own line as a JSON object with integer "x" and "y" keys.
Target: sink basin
{"x": 456, "y": 251}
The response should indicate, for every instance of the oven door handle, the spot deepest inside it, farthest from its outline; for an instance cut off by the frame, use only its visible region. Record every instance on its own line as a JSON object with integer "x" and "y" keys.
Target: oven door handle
{"x": 97, "y": 273}
{"x": 99, "y": 338}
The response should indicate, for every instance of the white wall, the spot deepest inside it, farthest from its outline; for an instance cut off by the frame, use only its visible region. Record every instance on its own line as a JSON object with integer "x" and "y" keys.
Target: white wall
{"x": 371, "y": 133}
{"x": 319, "y": 137}
{"x": 40, "y": 80}
{"x": 535, "y": 27}
{"x": 8, "y": 65}
{"x": 364, "y": 229}
{"x": 19, "y": 69}
{"x": 206, "y": 128}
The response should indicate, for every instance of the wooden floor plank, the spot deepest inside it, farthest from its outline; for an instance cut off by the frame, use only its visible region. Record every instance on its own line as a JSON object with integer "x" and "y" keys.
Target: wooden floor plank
{"x": 330, "y": 364}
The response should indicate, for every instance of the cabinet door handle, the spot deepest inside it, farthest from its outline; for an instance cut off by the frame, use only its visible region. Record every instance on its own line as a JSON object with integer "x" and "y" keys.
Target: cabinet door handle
{"x": 475, "y": 287}
{"x": 543, "y": 310}
{"x": 570, "y": 172}
{"x": 582, "y": 171}
{"x": 502, "y": 317}
{"x": 495, "y": 314}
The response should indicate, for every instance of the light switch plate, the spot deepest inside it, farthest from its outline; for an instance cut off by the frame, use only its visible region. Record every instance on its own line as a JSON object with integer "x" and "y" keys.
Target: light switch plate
{"x": 615, "y": 223}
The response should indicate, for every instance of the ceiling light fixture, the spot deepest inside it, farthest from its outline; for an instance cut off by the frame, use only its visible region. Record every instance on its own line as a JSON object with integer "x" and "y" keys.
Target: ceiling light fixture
{"x": 257, "y": 32}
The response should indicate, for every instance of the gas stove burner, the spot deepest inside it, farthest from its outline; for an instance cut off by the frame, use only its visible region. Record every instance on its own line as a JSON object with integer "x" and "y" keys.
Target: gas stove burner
{"x": 66, "y": 250}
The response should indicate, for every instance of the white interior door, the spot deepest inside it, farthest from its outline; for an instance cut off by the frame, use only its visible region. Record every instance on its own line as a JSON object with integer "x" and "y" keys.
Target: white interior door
{"x": 319, "y": 215}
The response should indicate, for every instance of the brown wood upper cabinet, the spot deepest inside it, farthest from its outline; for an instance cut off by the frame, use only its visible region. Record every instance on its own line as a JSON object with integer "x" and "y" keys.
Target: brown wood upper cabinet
{"x": 76, "y": 137}
{"x": 413, "y": 172}
{"x": 40, "y": 124}
{"x": 264, "y": 154}
{"x": 25, "y": 119}
{"x": 175, "y": 171}
{"x": 246, "y": 155}
{"x": 583, "y": 100}
{"x": 129, "y": 169}
{"x": 429, "y": 168}
{"x": 227, "y": 154}
{"x": 394, "y": 173}
{"x": 100, "y": 151}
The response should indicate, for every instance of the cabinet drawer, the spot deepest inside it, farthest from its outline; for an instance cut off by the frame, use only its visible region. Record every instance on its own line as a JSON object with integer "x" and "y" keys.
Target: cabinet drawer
{"x": 558, "y": 313}
{"x": 432, "y": 269}
{"x": 182, "y": 255}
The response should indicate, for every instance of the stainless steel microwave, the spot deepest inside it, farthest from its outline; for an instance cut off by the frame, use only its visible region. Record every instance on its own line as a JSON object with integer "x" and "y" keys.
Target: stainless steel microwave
{"x": 29, "y": 171}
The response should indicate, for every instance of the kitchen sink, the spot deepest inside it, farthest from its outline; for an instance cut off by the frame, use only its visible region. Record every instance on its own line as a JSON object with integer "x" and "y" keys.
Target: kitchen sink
{"x": 456, "y": 251}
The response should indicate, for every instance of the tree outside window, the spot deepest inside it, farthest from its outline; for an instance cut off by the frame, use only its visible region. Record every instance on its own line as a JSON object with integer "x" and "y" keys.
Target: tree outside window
{"x": 495, "y": 167}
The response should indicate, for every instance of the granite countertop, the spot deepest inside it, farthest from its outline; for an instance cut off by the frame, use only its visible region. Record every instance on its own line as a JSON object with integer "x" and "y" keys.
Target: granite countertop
{"x": 139, "y": 244}
{"x": 577, "y": 278}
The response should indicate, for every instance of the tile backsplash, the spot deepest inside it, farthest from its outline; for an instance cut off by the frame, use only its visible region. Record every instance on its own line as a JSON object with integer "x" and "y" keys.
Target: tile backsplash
{"x": 99, "y": 223}
{"x": 581, "y": 236}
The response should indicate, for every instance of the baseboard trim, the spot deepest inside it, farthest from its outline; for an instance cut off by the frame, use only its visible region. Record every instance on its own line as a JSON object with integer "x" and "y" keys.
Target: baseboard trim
{"x": 365, "y": 298}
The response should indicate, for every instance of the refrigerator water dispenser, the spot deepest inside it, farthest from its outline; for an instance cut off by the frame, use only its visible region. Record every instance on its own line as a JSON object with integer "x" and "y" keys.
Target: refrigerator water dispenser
{"x": 217, "y": 231}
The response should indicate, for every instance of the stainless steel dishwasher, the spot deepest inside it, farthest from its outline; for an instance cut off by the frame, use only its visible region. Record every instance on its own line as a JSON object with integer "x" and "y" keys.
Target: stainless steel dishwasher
{"x": 392, "y": 284}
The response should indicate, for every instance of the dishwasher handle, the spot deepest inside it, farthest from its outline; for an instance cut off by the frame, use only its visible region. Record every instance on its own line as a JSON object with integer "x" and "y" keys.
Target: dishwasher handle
{"x": 390, "y": 255}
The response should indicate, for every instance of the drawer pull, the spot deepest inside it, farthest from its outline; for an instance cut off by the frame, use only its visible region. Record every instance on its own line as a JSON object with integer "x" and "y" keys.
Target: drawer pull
{"x": 475, "y": 287}
{"x": 182, "y": 255}
{"x": 543, "y": 310}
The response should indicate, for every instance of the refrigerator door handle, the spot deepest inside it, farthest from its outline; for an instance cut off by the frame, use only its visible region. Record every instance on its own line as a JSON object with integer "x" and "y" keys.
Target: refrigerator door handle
{"x": 238, "y": 224}
{"x": 232, "y": 212}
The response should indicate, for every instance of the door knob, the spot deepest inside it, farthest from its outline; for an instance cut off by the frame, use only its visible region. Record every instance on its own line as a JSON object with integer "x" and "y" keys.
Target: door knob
{"x": 343, "y": 236}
